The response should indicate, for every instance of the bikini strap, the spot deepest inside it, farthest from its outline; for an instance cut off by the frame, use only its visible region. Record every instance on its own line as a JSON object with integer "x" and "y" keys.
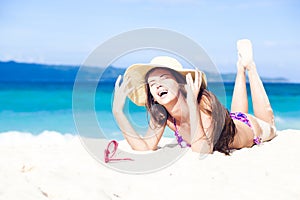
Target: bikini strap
{"x": 179, "y": 138}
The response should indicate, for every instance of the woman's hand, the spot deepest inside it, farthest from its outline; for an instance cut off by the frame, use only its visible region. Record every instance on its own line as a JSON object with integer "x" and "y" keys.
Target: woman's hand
{"x": 194, "y": 85}
{"x": 199, "y": 140}
{"x": 120, "y": 94}
{"x": 191, "y": 96}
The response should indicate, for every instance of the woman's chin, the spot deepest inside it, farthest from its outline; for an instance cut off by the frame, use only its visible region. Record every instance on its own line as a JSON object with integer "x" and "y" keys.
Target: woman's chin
{"x": 166, "y": 100}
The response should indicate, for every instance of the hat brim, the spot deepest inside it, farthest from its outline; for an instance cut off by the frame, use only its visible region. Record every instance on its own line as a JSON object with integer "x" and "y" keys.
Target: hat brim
{"x": 136, "y": 74}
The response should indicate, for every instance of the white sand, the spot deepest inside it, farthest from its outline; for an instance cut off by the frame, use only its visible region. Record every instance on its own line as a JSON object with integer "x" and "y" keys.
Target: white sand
{"x": 51, "y": 166}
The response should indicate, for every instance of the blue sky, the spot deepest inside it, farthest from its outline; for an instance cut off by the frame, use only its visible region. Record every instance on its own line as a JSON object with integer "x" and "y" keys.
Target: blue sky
{"x": 66, "y": 32}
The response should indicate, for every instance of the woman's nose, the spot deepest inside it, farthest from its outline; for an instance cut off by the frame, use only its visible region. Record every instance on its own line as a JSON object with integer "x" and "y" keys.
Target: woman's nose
{"x": 158, "y": 86}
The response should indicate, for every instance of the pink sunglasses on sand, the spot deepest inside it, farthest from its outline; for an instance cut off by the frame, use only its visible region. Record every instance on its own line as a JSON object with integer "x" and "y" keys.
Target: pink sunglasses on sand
{"x": 110, "y": 151}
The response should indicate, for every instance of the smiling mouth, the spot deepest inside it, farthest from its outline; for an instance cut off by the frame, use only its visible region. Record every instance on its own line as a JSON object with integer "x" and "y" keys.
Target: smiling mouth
{"x": 162, "y": 93}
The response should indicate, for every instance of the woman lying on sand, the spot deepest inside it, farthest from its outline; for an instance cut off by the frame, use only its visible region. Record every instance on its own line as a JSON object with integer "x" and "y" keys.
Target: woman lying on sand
{"x": 178, "y": 98}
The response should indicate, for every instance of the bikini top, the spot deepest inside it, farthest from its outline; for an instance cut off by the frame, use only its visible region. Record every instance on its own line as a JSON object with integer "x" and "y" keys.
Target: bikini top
{"x": 179, "y": 138}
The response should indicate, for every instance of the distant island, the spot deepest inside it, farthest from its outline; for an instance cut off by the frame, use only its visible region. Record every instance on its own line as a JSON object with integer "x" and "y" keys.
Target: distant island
{"x": 12, "y": 71}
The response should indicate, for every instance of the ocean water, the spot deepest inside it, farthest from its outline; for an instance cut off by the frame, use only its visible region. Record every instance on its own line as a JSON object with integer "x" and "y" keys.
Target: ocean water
{"x": 34, "y": 107}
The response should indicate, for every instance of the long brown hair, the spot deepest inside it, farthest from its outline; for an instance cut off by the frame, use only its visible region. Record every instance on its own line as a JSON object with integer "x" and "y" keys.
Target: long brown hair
{"x": 222, "y": 128}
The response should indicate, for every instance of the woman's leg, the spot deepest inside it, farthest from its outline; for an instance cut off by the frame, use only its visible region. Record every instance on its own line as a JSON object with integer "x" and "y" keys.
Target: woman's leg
{"x": 239, "y": 101}
{"x": 261, "y": 104}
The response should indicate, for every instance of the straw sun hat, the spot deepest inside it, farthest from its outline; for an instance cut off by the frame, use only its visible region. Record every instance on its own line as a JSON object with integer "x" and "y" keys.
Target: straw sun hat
{"x": 137, "y": 72}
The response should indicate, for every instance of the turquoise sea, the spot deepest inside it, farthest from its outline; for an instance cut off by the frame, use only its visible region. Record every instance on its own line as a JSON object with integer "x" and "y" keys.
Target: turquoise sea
{"x": 34, "y": 107}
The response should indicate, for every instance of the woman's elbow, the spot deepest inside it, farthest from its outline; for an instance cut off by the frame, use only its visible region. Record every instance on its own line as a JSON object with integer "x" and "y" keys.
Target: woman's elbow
{"x": 202, "y": 147}
{"x": 143, "y": 147}
{"x": 202, "y": 151}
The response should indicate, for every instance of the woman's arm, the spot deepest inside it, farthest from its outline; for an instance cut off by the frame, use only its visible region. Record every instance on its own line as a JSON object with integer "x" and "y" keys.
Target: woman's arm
{"x": 136, "y": 141}
{"x": 200, "y": 142}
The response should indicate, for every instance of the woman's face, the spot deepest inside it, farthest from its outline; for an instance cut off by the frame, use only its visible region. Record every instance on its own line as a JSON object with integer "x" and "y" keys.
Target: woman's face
{"x": 163, "y": 86}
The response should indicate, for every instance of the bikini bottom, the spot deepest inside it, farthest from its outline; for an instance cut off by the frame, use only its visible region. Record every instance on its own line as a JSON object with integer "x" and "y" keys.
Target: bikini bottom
{"x": 243, "y": 118}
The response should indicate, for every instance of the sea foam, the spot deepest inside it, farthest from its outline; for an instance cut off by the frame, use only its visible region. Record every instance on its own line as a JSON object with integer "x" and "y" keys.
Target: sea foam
{"x": 14, "y": 138}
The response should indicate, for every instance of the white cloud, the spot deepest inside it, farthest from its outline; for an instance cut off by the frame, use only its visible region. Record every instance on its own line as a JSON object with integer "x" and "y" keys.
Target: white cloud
{"x": 270, "y": 43}
{"x": 285, "y": 44}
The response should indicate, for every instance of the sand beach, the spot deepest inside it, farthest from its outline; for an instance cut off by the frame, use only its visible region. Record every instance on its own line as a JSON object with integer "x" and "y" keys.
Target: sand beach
{"x": 55, "y": 166}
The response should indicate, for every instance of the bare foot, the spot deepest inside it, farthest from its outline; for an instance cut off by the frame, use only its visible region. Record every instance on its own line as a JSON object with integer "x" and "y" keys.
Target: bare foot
{"x": 245, "y": 54}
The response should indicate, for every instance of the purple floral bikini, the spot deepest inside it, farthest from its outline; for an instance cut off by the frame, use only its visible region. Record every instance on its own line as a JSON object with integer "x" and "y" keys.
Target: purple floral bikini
{"x": 234, "y": 115}
{"x": 243, "y": 118}
{"x": 179, "y": 138}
